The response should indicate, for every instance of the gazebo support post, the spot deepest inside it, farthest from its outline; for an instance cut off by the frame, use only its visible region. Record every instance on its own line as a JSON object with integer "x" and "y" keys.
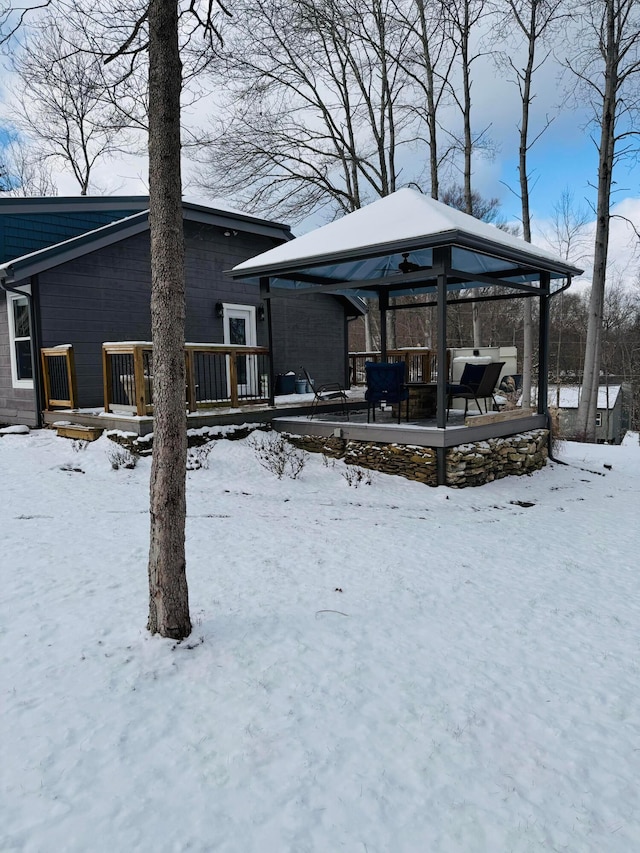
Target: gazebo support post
{"x": 383, "y": 302}
{"x": 442, "y": 258}
{"x": 543, "y": 345}
{"x": 265, "y": 295}
{"x": 441, "y": 312}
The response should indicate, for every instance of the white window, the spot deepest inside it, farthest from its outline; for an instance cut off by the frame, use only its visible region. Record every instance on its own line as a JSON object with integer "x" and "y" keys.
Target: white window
{"x": 598, "y": 419}
{"x": 20, "y": 341}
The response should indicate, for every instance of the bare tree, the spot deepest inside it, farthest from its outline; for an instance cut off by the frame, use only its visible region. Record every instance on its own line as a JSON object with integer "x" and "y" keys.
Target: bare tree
{"x": 28, "y": 174}
{"x": 486, "y": 209}
{"x": 427, "y": 57}
{"x": 464, "y": 18}
{"x": 606, "y": 66}
{"x": 168, "y": 593}
{"x": 312, "y": 115}
{"x": 156, "y": 32}
{"x": 5, "y": 178}
{"x": 61, "y": 102}
{"x": 568, "y": 240}
{"x": 532, "y": 22}
{"x": 567, "y": 235}
{"x": 154, "y": 28}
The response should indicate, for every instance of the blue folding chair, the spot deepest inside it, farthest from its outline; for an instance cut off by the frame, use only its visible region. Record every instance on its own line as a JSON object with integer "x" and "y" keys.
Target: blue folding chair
{"x": 385, "y": 384}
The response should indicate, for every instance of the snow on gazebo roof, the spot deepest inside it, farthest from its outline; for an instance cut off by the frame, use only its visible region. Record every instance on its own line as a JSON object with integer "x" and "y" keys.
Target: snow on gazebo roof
{"x": 372, "y": 241}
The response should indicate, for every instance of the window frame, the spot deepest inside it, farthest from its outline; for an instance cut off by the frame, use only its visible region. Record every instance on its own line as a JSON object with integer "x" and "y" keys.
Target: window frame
{"x": 12, "y": 298}
{"x": 598, "y": 419}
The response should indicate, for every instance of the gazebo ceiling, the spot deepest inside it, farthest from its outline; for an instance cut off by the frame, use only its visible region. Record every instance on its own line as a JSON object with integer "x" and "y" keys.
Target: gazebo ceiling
{"x": 401, "y": 243}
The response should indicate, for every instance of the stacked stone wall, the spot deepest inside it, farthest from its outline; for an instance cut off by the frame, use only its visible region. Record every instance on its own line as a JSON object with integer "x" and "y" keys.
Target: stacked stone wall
{"x": 470, "y": 464}
{"x": 484, "y": 461}
{"x": 467, "y": 465}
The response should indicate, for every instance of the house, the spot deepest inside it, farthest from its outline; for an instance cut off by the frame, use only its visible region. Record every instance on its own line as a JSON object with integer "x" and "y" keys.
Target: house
{"x": 612, "y": 415}
{"x": 76, "y": 271}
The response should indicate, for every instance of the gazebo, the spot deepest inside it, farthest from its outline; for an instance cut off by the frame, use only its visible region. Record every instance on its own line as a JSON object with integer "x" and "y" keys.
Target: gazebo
{"x": 409, "y": 244}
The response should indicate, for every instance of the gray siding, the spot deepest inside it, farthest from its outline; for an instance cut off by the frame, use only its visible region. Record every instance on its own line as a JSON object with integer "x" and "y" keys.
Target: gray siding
{"x": 310, "y": 331}
{"x": 105, "y": 295}
{"x": 17, "y": 405}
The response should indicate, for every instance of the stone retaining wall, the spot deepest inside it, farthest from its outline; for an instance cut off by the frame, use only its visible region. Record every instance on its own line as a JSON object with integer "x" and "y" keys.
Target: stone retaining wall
{"x": 467, "y": 465}
{"x": 484, "y": 461}
{"x": 142, "y": 445}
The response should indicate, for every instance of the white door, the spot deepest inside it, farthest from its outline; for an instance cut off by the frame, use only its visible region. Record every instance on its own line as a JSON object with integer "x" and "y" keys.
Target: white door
{"x": 240, "y": 330}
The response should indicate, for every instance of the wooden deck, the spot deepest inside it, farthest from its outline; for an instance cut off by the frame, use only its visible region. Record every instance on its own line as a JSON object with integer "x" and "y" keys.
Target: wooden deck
{"x": 420, "y": 433}
{"x": 296, "y": 406}
{"x": 292, "y": 413}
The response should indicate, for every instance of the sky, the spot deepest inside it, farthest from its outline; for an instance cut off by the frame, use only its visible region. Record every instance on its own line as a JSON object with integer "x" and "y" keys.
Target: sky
{"x": 563, "y": 159}
{"x": 376, "y": 666}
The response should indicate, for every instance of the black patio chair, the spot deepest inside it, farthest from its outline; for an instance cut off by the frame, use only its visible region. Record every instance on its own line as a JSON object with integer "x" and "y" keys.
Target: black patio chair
{"x": 385, "y": 384}
{"x": 326, "y": 392}
{"x": 478, "y": 382}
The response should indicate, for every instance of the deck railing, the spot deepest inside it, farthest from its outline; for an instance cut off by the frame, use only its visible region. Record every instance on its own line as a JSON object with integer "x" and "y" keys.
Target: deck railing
{"x": 421, "y": 363}
{"x": 59, "y": 377}
{"x": 215, "y": 375}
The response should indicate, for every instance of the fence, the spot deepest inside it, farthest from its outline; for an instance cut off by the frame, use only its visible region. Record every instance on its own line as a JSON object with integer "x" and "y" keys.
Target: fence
{"x": 215, "y": 375}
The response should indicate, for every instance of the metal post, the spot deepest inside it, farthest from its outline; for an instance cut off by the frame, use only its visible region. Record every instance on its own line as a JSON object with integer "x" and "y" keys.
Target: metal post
{"x": 265, "y": 295}
{"x": 442, "y": 256}
{"x": 543, "y": 345}
{"x": 383, "y": 301}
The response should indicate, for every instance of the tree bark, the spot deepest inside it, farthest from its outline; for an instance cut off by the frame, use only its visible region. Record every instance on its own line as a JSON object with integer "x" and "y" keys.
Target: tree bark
{"x": 586, "y": 417}
{"x": 465, "y": 35}
{"x": 525, "y": 89}
{"x": 168, "y": 593}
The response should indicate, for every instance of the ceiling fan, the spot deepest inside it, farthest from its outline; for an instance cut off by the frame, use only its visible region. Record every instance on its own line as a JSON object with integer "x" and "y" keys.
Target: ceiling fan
{"x": 407, "y": 266}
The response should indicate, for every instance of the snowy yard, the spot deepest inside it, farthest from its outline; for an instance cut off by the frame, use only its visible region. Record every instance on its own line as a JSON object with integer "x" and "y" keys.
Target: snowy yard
{"x": 382, "y": 669}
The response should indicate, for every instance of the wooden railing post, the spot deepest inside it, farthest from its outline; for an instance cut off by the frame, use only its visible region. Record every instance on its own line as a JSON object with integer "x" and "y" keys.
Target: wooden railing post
{"x": 233, "y": 377}
{"x": 46, "y": 380}
{"x": 107, "y": 379}
{"x": 138, "y": 381}
{"x": 426, "y": 366}
{"x": 71, "y": 377}
{"x": 191, "y": 379}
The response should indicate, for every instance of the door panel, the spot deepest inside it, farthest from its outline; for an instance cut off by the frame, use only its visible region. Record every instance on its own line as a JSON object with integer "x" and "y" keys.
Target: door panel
{"x": 240, "y": 330}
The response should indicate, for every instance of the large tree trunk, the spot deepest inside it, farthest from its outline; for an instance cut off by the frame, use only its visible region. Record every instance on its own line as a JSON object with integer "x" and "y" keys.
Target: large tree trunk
{"x": 476, "y": 311}
{"x": 525, "y": 89}
{"x": 168, "y": 593}
{"x": 586, "y": 418}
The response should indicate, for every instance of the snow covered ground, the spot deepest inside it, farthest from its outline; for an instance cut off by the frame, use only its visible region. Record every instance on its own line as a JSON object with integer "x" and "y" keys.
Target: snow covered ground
{"x": 381, "y": 669}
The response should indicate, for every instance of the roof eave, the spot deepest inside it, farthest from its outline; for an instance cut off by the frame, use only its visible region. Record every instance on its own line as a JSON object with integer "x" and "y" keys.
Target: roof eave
{"x": 454, "y": 237}
{"x": 521, "y": 256}
{"x": 69, "y": 250}
{"x": 99, "y": 238}
{"x": 238, "y": 216}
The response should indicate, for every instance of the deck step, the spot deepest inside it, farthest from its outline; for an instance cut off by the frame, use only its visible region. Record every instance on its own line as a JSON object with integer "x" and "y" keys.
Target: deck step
{"x": 78, "y": 431}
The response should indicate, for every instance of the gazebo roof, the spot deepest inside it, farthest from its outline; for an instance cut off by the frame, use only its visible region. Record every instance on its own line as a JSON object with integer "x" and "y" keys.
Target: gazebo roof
{"x": 393, "y": 244}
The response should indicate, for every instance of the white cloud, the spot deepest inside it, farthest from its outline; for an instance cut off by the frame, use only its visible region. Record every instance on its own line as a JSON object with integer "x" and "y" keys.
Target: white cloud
{"x": 624, "y": 243}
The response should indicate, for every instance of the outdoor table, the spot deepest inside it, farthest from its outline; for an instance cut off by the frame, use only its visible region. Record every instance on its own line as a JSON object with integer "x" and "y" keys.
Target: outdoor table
{"x": 422, "y": 399}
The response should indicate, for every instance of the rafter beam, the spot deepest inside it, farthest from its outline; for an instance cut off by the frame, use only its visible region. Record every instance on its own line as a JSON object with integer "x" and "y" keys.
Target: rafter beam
{"x": 398, "y": 281}
{"x": 494, "y": 281}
